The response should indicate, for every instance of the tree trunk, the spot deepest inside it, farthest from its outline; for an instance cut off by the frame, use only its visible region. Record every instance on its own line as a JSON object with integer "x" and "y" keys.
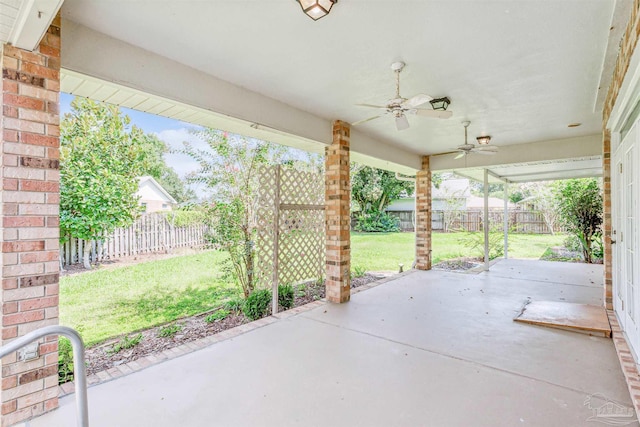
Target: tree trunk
{"x": 86, "y": 258}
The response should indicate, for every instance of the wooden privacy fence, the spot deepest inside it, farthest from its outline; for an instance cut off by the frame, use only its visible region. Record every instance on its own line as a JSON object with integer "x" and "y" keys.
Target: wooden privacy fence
{"x": 471, "y": 220}
{"x": 151, "y": 233}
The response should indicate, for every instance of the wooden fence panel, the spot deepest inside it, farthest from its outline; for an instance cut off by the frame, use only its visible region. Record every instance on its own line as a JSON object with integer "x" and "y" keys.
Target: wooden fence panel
{"x": 472, "y": 220}
{"x": 151, "y": 233}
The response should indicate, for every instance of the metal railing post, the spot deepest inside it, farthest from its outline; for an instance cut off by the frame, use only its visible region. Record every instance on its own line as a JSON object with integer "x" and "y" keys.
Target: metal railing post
{"x": 80, "y": 371}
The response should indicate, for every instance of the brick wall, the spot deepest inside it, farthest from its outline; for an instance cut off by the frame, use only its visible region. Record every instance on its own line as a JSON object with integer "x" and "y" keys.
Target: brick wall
{"x": 337, "y": 215}
{"x": 423, "y": 216}
{"x": 606, "y": 220}
{"x": 627, "y": 47}
{"x": 30, "y": 205}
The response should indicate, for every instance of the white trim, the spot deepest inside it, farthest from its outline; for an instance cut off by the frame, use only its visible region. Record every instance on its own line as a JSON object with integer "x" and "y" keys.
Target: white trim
{"x": 144, "y": 179}
{"x": 33, "y": 19}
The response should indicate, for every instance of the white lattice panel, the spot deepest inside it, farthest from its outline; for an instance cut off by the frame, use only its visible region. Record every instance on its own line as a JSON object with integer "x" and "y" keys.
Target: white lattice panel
{"x": 301, "y": 226}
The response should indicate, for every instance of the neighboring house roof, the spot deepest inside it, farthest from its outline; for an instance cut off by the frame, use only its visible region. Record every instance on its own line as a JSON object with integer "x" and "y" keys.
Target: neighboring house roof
{"x": 458, "y": 188}
{"x": 402, "y": 205}
{"x": 475, "y": 202}
{"x": 147, "y": 186}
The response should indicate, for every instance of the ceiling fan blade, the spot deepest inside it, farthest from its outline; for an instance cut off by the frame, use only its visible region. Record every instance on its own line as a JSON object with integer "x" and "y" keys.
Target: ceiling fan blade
{"x": 484, "y": 152}
{"x": 461, "y": 155}
{"x": 372, "y": 106}
{"x": 432, "y": 113}
{"x": 402, "y": 123}
{"x": 419, "y": 99}
{"x": 366, "y": 120}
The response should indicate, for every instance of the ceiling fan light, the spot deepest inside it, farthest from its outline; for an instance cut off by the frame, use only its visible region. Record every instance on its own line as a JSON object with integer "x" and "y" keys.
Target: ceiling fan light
{"x": 316, "y": 9}
{"x": 483, "y": 140}
{"x": 440, "y": 103}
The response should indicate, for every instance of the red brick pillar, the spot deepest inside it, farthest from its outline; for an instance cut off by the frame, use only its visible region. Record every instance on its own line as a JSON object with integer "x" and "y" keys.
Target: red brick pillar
{"x": 606, "y": 220}
{"x": 30, "y": 204}
{"x": 423, "y": 216}
{"x": 337, "y": 215}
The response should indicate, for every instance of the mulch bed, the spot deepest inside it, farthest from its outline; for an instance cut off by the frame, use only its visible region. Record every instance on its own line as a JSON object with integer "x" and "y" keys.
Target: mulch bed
{"x": 100, "y": 357}
{"x": 458, "y": 264}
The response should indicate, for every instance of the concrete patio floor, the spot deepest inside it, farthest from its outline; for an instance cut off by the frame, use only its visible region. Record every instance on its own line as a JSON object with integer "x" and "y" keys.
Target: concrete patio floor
{"x": 430, "y": 348}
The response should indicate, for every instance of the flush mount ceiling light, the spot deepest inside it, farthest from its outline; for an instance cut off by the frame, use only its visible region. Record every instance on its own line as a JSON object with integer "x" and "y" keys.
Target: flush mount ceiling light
{"x": 440, "y": 103}
{"x": 483, "y": 140}
{"x": 316, "y": 9}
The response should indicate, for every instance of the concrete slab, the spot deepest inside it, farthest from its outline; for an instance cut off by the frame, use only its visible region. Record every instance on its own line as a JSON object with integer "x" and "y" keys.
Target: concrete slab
{"x": 585, "y": 318}
{"x": 429, "y": 349}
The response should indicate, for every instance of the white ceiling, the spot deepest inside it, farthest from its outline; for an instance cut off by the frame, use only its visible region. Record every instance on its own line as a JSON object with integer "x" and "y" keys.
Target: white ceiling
{"x": 519, "y": 70}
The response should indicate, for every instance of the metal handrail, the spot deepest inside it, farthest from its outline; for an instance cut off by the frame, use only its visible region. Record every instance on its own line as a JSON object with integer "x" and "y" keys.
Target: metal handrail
{"x": 80, "y": 371}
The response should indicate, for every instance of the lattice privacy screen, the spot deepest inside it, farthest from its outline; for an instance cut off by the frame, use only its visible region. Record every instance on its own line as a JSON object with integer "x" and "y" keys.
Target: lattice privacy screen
{"x": 290, "y": 241}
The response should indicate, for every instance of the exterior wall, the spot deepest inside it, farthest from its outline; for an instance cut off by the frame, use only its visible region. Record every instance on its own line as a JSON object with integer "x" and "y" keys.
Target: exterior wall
{"x": 155, "y": 205}
{"x": 152, "y": 197}
{"x": 30, "y": 207}
{"x": 337, "y": 215}
{"x": 623, "y": 348}
{"x": 423, "y": 216}
{"x": 627, "y": 47}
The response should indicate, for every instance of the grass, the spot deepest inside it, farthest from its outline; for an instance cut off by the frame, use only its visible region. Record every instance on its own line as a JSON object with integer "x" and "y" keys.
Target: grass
{"x": 105, "y": 303}
{"x": 384, "y": 251}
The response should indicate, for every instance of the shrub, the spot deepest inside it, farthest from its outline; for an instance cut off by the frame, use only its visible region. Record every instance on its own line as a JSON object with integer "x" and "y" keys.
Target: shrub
{"x": 580, "y": 210}
{"x": 185, "y": 218}
{"x": 377, "y": 222}
{"x": 285, "y": 296}
{"x": 216, "y": 316}
{"x": 257, "y": 304}
{"x": 572, "y": 243}
{"x": 234, "y": 305}
{"x": 169, "y": 331}
{"x": 475, "y": 242}
{"x": 125, "y": 343}
{"x": 65, "y": 360}
{"x": 358, "y": 271}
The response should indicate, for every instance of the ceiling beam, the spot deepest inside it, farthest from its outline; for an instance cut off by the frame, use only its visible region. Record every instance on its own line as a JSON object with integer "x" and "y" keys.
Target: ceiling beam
{"x": 557, "y": 149}
{"x": 230, "y": 107}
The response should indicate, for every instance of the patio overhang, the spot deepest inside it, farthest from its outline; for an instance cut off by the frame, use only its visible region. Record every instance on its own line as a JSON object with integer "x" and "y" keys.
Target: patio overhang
{"x": 579, "y": 157}
{"x": 103, "y": 68}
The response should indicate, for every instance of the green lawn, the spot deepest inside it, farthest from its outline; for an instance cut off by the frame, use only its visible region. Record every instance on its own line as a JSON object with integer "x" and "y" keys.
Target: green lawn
{"x": 384, "y": 251}
{"x": 105, "y": 303}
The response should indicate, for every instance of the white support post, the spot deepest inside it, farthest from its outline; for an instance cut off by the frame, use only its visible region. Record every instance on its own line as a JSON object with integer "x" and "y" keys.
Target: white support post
{"x": 276, "y": 241}
{"x": 506, "y": 220}
{"x": 486, "y": 220}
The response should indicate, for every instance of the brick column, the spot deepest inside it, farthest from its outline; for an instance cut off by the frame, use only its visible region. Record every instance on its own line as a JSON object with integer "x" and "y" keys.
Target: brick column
{"x": 30, "y": 205}
{"x": 606, "y": 220}
{"x": 423, "y": 216}
{"x": 338, "y": 215}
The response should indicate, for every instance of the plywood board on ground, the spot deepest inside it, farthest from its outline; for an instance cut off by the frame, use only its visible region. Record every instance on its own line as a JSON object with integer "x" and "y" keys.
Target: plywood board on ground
{"x": 584, "y": 318}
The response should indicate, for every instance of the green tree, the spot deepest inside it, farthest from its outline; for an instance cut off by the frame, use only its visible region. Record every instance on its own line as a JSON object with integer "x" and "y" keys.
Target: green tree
{"x": 230, "y": 168}
{"x": 372, "y": 190}
{"x": 155, "y": 165}
{"x": 579, "y": 203}
{"x": 99, "y": 164}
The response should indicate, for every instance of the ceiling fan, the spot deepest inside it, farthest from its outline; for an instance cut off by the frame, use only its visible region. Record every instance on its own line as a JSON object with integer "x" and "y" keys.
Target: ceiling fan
{"x": 466, "y": 148}
{"x": 400, "y": 106}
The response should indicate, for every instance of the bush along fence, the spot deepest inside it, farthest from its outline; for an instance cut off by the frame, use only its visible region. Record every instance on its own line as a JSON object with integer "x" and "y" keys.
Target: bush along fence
{"x": 151, "y": 233}
{"x": 471, "y": 220}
